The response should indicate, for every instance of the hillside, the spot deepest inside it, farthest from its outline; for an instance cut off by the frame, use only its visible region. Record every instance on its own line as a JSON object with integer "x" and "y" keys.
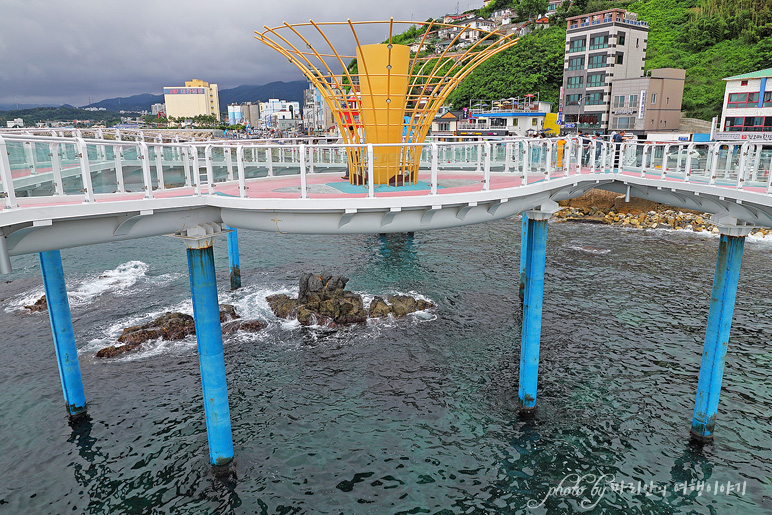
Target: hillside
{"x": 711, "y": 39}
{"x": 65, "y": 113}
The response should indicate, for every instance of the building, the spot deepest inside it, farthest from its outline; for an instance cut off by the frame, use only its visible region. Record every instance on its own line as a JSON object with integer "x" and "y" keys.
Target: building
{"x": 648, "y": 104}
{"x": 601, "y": 47}
{"x": 269, "y": 111}
{"x": 318, "y": 118}
{"x": 155, "y": 109}
{"x": 508, "y": 117}
{"x": 445, "y": 125}
{"x": 16, "y": 123}
{"x": 747, "y": 106}
{"x": 196, "y": 98}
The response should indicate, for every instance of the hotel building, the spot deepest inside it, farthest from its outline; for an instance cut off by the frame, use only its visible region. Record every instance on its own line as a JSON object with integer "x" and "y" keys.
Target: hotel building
{"x": 195, "y": 98}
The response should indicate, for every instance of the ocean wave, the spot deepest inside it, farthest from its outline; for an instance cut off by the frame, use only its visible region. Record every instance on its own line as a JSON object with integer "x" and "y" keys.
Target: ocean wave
{"x": 589, "y": 250}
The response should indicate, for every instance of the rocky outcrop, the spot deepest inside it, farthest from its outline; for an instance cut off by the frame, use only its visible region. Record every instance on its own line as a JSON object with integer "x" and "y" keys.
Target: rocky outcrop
{"x": 39, "y": 305}
{"x": 323, "y": 300}
{"x": 175, "y": 326}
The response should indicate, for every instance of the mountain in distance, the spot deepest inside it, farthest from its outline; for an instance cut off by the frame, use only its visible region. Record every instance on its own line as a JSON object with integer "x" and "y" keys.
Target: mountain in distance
{"x": 18, "y": 107}
{"x": 291, "y": 91}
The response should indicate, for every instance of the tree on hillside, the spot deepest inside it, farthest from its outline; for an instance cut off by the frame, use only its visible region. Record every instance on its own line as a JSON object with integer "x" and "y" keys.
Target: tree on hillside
{"x": 530, "y": 8}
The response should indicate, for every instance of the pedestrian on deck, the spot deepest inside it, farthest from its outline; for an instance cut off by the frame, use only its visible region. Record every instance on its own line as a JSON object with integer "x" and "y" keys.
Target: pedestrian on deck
{"x": 618, "y": 140}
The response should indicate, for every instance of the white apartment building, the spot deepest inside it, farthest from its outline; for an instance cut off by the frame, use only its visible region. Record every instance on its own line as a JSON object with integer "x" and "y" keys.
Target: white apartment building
{"x": 747, "y": 109}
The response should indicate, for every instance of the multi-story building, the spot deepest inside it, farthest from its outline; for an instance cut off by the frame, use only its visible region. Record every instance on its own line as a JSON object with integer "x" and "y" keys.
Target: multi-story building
{"x": 748, "y": 105}
{"x": 157, "y": 108}
{"x": 269, "y": 111}
{"x": 508, "y": 117}
{"x": 318, "y": 118}
{"x": 648, "y": 104}
{"x": 601, "y": 47}
{"x": 196, "y": 98}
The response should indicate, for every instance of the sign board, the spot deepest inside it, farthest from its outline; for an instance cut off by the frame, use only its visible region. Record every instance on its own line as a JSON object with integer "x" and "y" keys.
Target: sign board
{"x": 623, "y": 111}
{"x": 569, "y": 125}
{"x": 751, "y": 136}
{"x": 184, "y": 91}
{"x": 642, "y": 105}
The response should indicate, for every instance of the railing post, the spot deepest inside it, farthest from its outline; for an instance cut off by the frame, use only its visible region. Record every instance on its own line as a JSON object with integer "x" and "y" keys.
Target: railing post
{"x": 507, "y": 157}
{"x": 186, "y": 165}
{"x": 303, "y": 185}
{"x": 209, "y": 169}
{"x": 714, "y": 163}
{"x": 743, "y": 163}
{"x": 688, "y": 164}
{"x": 526, "y": 162}
{"x": 665, "y": 159}
{"x": 478, "y": 165}
{"x": 29, "y": 153}
{"x": 118, "y": 151}
{"x": 196, "y": 170}
{"x": 548, "y": 163}
{"x": 56, "y": 167}
{"x": 6, "y": 176}
{"x": 269, "y": 160}
{"x": 370, "y": 172}
{"x": 435, "y": 166}
{"x": 144, "y": 157}
{"x": 240, "y": 171}
{"x": 229, "y": 162}
{"x": 159, "y": 169}
{"x": 722, "y": 301}
{"x": 63, "y": 333}
{"x": 769, "y": 177}
{"x": 486, "y": 166}
{"x": 85, "y": 169}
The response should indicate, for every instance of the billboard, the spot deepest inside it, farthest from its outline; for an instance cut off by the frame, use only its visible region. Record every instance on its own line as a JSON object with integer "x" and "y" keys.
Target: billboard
{"x": 184, "y": 91}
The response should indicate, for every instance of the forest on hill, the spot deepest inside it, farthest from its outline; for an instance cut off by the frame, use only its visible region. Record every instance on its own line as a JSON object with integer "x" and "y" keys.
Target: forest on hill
{"x": 710, "y": 39}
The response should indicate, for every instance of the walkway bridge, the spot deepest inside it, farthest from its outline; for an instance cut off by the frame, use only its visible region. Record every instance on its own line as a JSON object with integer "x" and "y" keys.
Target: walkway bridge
{"x": 65, "y": 190}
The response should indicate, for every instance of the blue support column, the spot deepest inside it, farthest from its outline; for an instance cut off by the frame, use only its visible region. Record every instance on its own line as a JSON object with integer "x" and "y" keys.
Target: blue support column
{"x": 523, "y": 252}
{"x": 722, "y": 299}
{"x": 63, "y": 333}
{"x": 233, "y": 259}
{"x": 536, "y": 251}
{"x": 203, "y": 288}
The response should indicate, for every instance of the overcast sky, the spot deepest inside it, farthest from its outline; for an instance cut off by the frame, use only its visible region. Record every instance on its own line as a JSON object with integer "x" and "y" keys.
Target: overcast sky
{"x": 74, "y": 51}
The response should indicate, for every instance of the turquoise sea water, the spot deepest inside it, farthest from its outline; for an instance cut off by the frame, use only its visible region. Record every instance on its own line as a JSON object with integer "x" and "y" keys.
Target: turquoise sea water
{"x": 409, "y": 416}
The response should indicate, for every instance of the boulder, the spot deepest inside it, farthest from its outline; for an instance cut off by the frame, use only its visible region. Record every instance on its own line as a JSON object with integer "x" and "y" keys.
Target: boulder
{"x": 282, "y": 305}
{"x": 39, "y": 305}
{"x": 379, "y": 308}
{"x": 227, "y": 313}
{"x": 170, "y": 326}
{"x": 112, "y": 351}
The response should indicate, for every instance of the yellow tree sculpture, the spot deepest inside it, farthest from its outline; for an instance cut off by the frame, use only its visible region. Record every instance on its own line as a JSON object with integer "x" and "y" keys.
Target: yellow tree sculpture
{"x": 386, "y": 93}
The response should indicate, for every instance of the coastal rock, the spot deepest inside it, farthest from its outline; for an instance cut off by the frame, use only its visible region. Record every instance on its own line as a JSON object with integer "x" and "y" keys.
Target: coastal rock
{"x": 248, "y": 326}
{"x": 323, "y": 300}
{"x": 112, "y": 351}
{"x": 227, "y": 313}
{"x": 39, "y": 305}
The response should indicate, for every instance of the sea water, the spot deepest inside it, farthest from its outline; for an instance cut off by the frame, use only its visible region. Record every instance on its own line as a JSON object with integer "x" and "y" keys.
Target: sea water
{"x": 416, "y": 415}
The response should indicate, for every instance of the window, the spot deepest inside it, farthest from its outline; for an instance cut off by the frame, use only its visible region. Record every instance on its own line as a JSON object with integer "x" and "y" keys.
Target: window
{"x": 596, "y": 80}
{"x": 767, "y": 99}
{"x": 533, "y": 121}
{"x": 593, "y": 99}
{"x": 576, "y": 63}
{"x": 573, "y": 100}
{"x": 597, "y": 42}
{"x": 653, "y": 98}
{"x": 633, "y": 100}
{"x": 578, "y": 45}
{"x": 624, "y": 122}
{"x": 597, "y": 61}
{"x": 619, "y": 101}
{"x": 748, "y": 123}
{"x": 574, "y": 82}
{"x": 621, "y": 38}
{"x": 748, "y": 100}
{"x": 619, "y": 58}
{"x": 743, "y": 83}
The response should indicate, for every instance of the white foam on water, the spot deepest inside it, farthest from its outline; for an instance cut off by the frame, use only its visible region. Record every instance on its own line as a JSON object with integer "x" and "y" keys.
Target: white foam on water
{"x": 589, "y": 250}
{"x": 119, "y": 281}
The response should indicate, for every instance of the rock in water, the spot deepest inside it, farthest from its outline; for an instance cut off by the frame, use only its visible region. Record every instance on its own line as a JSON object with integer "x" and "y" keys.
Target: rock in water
{"x": 401, "y": 305}
{"x": 112, "y": 351}
{"x": 282, "y": 305}
{"x": 249, "y": 326}
{"x": 379, "y": 308}
{"x": 39, "y": 305}
{"x": 227, "y": 313}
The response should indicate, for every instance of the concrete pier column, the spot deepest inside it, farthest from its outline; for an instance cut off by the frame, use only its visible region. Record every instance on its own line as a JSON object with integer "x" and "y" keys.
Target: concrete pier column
{"x": 206, "y": 310}
{"x": 63, "y": 333}
{"x": 536, "y": 250}
{"x": 722, "y": 300}
{"x": 233, "y": 259}
{"x": 523, "y": 252}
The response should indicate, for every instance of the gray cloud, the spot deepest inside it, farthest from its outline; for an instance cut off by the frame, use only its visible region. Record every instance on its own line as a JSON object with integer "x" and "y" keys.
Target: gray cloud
{"x": 68, "y": 52}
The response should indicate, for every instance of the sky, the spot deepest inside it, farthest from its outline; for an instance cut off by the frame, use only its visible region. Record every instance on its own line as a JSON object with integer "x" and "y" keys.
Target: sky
{"x": 81, "y": 51}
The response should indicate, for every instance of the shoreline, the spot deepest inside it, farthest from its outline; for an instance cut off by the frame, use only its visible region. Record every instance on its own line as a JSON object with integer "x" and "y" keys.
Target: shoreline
{"x": 608, "y": 208}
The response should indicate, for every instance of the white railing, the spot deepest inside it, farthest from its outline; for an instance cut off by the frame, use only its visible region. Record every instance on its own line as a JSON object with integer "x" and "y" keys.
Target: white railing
{"x": 38, "y": 169}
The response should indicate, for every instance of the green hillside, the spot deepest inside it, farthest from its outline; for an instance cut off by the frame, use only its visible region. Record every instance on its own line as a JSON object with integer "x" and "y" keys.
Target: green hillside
{"x": 711, "y": 39}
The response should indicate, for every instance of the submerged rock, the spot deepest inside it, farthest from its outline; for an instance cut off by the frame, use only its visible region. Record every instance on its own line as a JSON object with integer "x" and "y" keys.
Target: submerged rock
{"x": 249, "y": 326}
{"x": 112, "y": 351}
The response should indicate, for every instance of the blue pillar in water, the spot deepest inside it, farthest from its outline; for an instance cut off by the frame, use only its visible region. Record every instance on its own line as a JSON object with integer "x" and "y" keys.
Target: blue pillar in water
{"x": 203, "y": 288}
{"x": 536, "y": 250}
{"x": 722, "y": 298}
{"x": 233, "y": 259}
{"x": 63, "y": 333}
{"x": 523, "y": 252}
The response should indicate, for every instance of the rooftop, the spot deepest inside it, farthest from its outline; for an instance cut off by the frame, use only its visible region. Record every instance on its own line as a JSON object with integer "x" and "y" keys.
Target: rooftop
{"x": 753, "y": 75}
